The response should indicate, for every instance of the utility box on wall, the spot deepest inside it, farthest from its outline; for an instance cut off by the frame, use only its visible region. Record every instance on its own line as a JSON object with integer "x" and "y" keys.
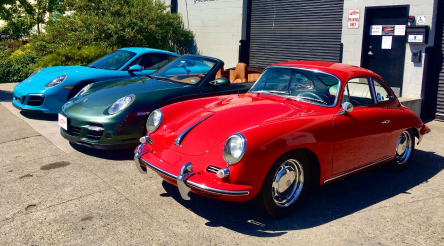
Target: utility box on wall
{"x": 417, "y": 34}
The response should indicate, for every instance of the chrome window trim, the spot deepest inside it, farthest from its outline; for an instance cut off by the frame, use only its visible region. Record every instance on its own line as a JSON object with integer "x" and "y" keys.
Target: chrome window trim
{"x": 310, "y": 70}
{"x": 372, "y": 88}
{"x": 193, "y": 184}
{"x": 181, "y": 137}
{"x": 356, "y": 170}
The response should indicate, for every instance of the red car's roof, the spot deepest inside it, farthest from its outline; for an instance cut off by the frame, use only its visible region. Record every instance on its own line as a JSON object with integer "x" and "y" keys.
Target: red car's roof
{"x": 343, "y": 71}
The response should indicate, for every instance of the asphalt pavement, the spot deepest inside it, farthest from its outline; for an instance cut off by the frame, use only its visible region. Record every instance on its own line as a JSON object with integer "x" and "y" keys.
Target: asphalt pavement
{"x": 55, "y": 193}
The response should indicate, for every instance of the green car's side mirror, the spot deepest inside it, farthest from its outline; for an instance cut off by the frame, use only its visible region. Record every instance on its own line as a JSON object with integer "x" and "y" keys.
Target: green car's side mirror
{"x": 220, "y": 81}
{"x": 135, "y": 68}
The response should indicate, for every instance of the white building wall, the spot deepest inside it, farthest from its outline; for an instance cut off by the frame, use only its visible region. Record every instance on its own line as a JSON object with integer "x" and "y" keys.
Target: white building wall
{"x": 217, "y": 26}
{"x": 352, "y": 39}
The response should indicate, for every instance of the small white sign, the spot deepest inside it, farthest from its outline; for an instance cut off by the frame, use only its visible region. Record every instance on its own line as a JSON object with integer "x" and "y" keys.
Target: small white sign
{"x": 376, "y": 30}
{"x": 400, "y": 30}
{"x": 386, "y": 42}
{"x": 353, "y": 25}
{"x": 63, "y": 122}
{"x": 354, "y": 14}
{"x": 416, "y": 38}
{"x": 421, "y": 20}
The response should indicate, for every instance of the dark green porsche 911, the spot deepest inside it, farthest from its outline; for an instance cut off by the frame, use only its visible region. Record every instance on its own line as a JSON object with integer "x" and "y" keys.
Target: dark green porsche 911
{"x": 112, "y": 114}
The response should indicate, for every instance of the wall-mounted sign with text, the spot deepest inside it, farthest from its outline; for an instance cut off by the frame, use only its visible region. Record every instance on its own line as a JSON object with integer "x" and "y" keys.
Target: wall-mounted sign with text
{"x": 416, "y": 39}
{"x": 397, "y": 30}
{"x": 353, "y": 18}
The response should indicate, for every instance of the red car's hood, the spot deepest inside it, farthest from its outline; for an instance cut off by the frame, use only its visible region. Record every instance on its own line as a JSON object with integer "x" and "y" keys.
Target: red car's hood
{"x": 224, "y": 117}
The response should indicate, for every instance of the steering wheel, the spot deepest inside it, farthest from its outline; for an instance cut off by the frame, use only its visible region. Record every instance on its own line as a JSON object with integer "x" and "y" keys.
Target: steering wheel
{"x": 311, "y": 94}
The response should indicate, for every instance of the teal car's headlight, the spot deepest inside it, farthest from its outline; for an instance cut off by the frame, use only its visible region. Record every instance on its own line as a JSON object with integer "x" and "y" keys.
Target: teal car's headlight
{"x": 35, "y": 72}
{"x": 56, "y": 81}
{"x": 234, "y": 148}
{"x": 83, "y": 90}
{"x": 121, "y": 104}
{"x": 154, "y": 120}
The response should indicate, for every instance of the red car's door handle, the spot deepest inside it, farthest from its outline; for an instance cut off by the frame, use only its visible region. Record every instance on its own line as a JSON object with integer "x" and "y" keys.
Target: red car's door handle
{"x": 385, "y": 122}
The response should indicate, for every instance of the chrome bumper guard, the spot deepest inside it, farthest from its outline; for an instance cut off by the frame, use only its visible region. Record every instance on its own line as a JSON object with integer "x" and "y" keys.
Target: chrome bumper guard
{"x": 183, "y": 183}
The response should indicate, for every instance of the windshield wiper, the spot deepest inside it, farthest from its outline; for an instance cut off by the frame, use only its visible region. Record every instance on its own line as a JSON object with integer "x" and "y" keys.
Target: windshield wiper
{"x": 312, "y": 99}
{"x": 167, "y": 79}
{"x": 274, "y": 92}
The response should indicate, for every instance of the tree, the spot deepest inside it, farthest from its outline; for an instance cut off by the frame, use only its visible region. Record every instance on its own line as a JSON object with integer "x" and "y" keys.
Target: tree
{"x": 115, "y": 23}
{"x": 22, "y": 15}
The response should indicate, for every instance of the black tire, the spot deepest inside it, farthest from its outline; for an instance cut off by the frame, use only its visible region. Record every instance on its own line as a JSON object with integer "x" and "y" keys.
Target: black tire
{"x": 403, "y": 156}
{"x": 77, "y": 88}
{"x": 266, "y": 197}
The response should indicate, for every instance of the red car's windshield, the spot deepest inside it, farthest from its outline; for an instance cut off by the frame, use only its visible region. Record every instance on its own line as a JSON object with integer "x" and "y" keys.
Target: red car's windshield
{"x": 300, "y": 84}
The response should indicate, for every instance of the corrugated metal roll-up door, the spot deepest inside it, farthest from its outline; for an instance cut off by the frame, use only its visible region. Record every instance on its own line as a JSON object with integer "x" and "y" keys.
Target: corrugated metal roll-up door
{"x": 283, "y": 30}
{"x": 440, "y": 99}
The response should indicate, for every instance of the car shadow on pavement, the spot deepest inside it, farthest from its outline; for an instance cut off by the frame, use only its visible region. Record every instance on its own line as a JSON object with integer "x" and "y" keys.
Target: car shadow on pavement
{"x": 323, "y": 205}
{"x": 39, "y": 116}
{"x": 5, "y": 96}
{"x": 116, "y": 155}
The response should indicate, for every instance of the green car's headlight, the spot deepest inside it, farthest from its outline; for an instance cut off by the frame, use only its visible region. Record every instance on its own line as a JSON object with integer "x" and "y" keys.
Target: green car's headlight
{"x": 234, "y": 149}
{"x": 83, "y": 90}
{"x": 35, "y": 72}
{"x": 121, "y": 104}
{"x": 154, "y": 120}
{"x": 56, "y": 81}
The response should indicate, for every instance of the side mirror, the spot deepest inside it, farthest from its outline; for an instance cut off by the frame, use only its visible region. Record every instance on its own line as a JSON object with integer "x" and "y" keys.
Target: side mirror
{"x": 347, "y": 107}
{"x": 220, "y": 81}
{"x": 135, "y": 68}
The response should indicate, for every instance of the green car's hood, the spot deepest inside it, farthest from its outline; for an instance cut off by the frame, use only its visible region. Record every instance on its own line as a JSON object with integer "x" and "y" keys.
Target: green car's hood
{"x": 104, "y": 94}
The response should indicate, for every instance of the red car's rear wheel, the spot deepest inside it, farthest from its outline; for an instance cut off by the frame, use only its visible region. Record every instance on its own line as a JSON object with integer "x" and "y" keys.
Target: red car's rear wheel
{"x": 404, "y": 150}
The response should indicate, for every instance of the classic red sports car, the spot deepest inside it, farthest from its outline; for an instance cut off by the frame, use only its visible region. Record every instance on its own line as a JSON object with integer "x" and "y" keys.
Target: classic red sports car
{"x": 301, "y": 123}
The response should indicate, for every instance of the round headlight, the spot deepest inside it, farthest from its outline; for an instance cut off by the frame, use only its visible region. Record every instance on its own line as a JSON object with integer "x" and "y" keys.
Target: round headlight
{"x": 121, "y": 104}
{"x": 154, "y": 120}
{"x": 234, "y": 148}
{"x": 83, "y": 90}
{"x": 56, "y": 81}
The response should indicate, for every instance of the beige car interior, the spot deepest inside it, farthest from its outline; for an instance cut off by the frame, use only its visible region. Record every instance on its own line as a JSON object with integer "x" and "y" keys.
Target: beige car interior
{"x": 239, "y": 74}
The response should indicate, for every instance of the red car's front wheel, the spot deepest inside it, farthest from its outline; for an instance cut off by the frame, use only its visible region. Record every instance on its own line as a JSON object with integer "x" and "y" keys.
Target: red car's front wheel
{"x": 285, "y": 185}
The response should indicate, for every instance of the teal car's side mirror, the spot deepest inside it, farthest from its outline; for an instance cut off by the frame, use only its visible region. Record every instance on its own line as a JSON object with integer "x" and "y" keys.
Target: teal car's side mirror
{"x": 220, "y": 81}
{"x": 135, "y": 68}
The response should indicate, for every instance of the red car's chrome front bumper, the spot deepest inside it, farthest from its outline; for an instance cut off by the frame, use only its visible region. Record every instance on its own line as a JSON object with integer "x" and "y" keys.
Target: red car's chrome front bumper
{"x": 187, "y": 180}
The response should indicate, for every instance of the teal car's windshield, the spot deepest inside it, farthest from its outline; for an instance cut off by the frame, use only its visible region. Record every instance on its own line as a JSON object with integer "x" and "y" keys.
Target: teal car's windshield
{"x": 186, "y": 69}
{"x": 305, "y": 85}
{"x": 114, "y": 61}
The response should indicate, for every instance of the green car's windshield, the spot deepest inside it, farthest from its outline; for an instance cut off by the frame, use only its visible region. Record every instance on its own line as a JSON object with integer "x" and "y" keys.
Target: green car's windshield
{"x": 114, "y": 61}
{"x": 298, "y": 84}
{"x": 186, "y": 69}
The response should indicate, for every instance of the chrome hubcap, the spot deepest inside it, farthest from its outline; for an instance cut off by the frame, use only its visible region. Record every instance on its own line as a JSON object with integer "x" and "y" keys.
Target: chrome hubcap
{"x": 287, "y": 183}
{"x": 404, "y": 148}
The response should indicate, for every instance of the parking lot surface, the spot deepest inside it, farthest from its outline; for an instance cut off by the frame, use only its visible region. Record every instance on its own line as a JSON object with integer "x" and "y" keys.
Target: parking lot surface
{"x": 55, "y": 193}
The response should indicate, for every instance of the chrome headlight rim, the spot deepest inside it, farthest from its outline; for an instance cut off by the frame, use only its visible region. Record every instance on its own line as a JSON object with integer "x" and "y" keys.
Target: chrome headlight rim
{"x": 83, "y": 90}
{"x": 64, "y": 78}
{"x": 154, "y": 127}
{"x": 228, "y": 157}
{"x": 132, "y": 96}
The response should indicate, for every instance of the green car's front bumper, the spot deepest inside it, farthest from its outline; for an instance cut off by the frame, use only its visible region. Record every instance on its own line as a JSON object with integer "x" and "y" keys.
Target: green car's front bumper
{"x": 103, "y": 133}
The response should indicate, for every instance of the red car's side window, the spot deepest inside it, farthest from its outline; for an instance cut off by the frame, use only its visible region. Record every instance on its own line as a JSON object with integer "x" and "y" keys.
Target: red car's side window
{"x": 357, "y": 91}
{"x": 383, "y": 94}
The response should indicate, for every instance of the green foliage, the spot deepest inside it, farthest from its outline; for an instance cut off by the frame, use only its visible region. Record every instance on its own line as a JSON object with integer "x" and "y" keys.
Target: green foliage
{"x": 114, "y": 23}
{"x": 73, "y": 56}
{"x": 22, "y": 15}
{"x": 17, "y": 68}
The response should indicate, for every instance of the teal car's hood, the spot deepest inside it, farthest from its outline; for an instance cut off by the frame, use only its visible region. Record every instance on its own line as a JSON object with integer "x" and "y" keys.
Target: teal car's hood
{"x": 104, "y": 94}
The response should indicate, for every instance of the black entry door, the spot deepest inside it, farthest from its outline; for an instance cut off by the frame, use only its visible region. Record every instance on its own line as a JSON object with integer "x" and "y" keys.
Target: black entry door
{"x": 389, "y": 63}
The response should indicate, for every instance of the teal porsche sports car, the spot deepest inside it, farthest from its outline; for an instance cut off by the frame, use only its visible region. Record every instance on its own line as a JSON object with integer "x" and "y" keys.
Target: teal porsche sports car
{"x": 47, "y": 89}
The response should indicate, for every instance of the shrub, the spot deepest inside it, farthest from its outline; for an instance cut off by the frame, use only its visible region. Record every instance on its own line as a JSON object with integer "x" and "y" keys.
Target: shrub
{"x": 17, "y": 68}
{"x": 73, "y": 56}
